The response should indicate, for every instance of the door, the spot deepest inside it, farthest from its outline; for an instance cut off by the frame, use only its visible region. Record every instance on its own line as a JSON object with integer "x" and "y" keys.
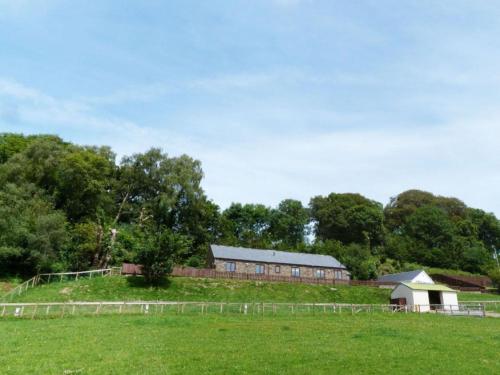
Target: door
{"x": 434, "y": 299}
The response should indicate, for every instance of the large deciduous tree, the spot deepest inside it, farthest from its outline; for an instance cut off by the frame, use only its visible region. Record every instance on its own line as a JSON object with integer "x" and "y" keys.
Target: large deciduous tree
{"x": 33, "y": 235}
{"x": 348, "y": 218}
{"x": 289, "y": 224}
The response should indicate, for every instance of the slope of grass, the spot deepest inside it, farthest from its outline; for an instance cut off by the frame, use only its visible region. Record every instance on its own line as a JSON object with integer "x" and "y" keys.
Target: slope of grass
{"x": 118, "y": 288}
{"x": 177, "y": 344}
{"x": 466, "y": 296}
{"x": 7, "y": 284}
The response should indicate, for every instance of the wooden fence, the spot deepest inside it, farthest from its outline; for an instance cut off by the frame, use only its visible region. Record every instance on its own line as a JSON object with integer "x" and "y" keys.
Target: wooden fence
{"x": 61, "y": 276}
{"x": 211, "y": 273}
{"x": 43, "y": 310}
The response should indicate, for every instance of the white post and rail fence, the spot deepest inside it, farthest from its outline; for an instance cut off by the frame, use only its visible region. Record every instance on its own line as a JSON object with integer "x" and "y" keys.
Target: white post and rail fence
{"x": 45, "y": 278}
{"x": 62, "y": 309}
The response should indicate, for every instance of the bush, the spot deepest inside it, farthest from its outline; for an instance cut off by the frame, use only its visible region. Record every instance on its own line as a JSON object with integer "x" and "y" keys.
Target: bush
{"x": 158, "y": 253}
{"x": 495, "y": 278}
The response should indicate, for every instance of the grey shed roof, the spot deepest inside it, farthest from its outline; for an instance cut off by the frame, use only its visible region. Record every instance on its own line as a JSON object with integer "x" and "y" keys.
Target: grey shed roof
{"x": 400, "y": 277}
{"x": 274, "y": 256}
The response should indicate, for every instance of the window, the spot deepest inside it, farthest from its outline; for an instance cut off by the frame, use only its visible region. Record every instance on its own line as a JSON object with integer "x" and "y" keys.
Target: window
{"x": 320, "y": 274}
{"x": 259, "y": 269}
{"x": 277, "y": 269}
{"x": 338, "y": 275}
{"x": 230, "y": 266}
{"x": 295, "y": 272}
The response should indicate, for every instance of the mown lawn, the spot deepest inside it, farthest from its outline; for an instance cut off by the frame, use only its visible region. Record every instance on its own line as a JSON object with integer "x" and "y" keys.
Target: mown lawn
{"x": 118, "y": 288}
{"x": 211, "y": 344}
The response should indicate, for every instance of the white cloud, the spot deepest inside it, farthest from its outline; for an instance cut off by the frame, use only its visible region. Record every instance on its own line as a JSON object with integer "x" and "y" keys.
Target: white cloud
{"x": 247, "y": 158}
{"x": 457, "y": 159}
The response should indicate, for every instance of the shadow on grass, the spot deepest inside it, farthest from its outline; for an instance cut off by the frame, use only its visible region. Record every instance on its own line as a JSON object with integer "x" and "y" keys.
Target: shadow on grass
{"x": 140, "y": 282}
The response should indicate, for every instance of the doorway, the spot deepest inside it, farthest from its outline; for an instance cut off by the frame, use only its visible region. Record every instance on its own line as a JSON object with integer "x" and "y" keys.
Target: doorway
{"x": 434, "y": 299}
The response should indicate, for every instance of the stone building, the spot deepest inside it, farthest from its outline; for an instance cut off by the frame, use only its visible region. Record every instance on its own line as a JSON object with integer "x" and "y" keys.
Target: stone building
{"x": 276, "y": 263}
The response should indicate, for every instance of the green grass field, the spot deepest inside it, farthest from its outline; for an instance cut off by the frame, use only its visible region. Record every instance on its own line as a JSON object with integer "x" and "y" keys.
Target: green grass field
{"x": 191, "y": 343}
{"x": 117, "y": 288}
{"x": 181, "y": 344}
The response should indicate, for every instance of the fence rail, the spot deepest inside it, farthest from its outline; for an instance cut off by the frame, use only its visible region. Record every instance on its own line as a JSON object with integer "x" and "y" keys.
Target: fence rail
{"x": 54, "y": 309}
{"x": 60, "y": 276}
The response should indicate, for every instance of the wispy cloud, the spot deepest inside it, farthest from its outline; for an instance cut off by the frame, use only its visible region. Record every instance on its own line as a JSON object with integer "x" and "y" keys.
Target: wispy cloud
{"x": 25, "y": 8}
{"x": 34, "y": 108}
{"x": 455, "y": 158}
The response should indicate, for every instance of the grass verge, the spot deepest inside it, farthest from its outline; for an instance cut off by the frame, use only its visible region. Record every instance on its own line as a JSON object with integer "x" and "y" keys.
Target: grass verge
{"x": 364, "y": 344}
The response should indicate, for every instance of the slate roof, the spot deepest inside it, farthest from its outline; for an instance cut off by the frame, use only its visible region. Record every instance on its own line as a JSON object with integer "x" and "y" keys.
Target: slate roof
{"x": 436, "y": 287}
{"x": 274, "y": 256}
{"x": 400, "y": 277}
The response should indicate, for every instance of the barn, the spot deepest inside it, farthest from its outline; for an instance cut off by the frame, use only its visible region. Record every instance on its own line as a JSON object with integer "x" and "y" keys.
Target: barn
{"x": 276, "y": 263}
{"x": 425, "y": 297}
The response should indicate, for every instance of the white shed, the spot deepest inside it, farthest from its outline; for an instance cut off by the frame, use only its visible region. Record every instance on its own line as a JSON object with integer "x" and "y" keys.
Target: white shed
{"x": 425, "y": 297}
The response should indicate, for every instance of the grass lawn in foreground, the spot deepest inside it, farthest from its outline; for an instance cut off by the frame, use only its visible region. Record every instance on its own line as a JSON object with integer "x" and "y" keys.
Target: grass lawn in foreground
{"x": 211, "y": 344}
{"x": 119, "y": 288}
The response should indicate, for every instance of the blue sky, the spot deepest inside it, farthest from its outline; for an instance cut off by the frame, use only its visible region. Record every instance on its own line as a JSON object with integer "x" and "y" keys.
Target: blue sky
{"x": 277, "y": 98}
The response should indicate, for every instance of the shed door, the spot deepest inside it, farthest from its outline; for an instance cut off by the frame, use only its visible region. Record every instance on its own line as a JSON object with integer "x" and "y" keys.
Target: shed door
{"x": 435, "y": 298}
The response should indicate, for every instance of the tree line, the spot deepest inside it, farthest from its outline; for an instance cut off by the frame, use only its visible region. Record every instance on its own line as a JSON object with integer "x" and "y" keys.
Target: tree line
{"x": 69, "y": 207}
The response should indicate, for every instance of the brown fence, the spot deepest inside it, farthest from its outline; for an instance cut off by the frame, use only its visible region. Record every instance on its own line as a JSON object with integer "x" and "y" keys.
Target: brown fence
{"x": 211, "y": 273}
{"x": 460, "y": 281}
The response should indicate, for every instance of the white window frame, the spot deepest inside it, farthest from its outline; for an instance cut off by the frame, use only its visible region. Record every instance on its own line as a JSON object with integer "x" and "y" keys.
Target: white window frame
{"x": 230, "y": 266}
{"x": 319, "y": 273}
{"x": 277, "y": 269}
{"x": 297, "y": 273}
{"x": 260, "y": 267}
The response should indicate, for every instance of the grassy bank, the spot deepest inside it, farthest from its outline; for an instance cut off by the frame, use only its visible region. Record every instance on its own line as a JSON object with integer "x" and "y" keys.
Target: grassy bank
{"x": 364, "y": 344}
{"x": 117, "y": 288}
{"x": 7, "y": 284}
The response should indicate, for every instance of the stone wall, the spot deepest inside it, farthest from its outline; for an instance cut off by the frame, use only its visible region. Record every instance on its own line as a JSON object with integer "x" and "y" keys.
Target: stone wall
{"x": 284, "y": 270}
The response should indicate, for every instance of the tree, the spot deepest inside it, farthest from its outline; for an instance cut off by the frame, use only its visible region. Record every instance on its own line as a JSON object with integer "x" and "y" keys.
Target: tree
{"x": 33, "y": 235}
{"x": 158, "y": 254}
{"x": 158, "y": 190}
{"x": 288, "y": 224}
{"x": 247, "y": 225}
{"x": 78, "y": 179}
{"x": 401, "y": 207}
{"x": 12, "y": 144}
{"x": 348, "y": 218}
{"x": 488, "y": 231}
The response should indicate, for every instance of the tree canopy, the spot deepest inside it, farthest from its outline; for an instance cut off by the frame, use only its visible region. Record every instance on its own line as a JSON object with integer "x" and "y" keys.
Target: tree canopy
{"x": 70, "y": 207}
